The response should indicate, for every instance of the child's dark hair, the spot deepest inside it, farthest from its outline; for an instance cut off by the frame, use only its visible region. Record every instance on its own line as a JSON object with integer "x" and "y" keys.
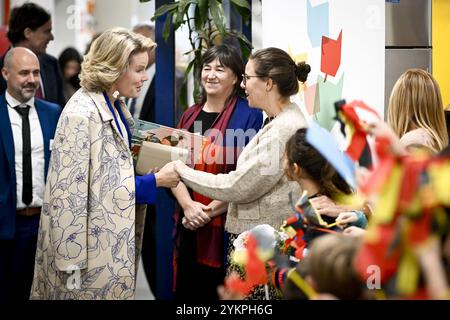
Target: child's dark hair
{"x": 299, "y": 151}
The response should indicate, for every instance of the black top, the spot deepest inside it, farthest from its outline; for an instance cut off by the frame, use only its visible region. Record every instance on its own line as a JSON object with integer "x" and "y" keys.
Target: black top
{"x": 207, "y": 119}
{"x": 267, "y": 121}
{"x": 311, "y": 234}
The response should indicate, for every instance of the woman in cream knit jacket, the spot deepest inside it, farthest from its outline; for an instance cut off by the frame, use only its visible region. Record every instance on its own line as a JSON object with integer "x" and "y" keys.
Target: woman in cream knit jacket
{"x": 257, "y": 191}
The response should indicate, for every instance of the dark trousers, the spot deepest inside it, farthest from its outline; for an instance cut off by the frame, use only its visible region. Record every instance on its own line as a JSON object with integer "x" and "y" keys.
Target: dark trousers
{"x": 148, "y": 252}
{"x": 17, "y": 260}
{"x": 195, "y": 281}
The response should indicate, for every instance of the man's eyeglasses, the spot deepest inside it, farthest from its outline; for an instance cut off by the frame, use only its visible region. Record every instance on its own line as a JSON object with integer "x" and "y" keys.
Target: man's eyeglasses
{"x": 245, "y": 77}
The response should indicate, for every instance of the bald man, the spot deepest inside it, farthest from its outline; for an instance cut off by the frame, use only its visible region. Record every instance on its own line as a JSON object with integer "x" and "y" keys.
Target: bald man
{"x": 27, "y": 127}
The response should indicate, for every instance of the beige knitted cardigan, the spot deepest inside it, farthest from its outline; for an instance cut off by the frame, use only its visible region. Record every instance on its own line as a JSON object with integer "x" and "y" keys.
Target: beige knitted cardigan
{"x": 257, "y": 191}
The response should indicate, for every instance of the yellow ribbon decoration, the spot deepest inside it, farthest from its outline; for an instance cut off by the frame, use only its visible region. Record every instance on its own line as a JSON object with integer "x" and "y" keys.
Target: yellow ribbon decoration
{"x": 301, "y": 284}
{"x": 388, "y": 199}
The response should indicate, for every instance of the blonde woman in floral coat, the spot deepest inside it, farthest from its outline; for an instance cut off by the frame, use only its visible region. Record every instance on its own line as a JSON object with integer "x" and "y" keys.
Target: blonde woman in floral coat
{"x": 89, "y": 234}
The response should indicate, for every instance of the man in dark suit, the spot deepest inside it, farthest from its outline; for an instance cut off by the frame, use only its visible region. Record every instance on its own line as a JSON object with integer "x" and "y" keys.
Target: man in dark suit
{"x": 27, "y": 127}
{"x": 30, "y": 26}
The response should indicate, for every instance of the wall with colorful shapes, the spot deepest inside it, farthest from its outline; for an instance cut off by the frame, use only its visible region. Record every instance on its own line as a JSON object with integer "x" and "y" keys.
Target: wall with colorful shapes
{"x": 342, "y": 40}
{"x": 441, "y": 46}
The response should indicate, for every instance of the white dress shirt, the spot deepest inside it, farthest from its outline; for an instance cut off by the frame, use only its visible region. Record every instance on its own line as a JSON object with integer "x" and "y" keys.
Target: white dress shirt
{"x": 37, "y": 151}
{"x": 41, "y": 84}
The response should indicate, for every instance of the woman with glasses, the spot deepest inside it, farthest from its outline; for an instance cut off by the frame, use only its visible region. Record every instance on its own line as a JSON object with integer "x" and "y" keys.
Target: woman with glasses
{"x": 223, "y": 115}
{"x": 257, "y": 190}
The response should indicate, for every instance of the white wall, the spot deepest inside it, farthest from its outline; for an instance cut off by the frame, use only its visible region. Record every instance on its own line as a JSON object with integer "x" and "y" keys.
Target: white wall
{"x": 143, "y": 12}
{"x": 362, "y": 57}
{"x": 47, "y": 4}
{"x": 125, "y": 13}
{"x": 113, "y": 13}
{"x": 72, "y": 25}
{"x": 256, "y": 24}
{"x": 63, "y": 36}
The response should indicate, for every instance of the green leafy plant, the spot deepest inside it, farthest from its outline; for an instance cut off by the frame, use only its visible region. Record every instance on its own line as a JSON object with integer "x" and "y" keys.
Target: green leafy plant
{"x": 207, "y": 26}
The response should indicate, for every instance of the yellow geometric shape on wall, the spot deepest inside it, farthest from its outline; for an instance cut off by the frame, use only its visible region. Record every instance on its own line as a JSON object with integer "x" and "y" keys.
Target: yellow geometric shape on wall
{"x": 441, "y": 46}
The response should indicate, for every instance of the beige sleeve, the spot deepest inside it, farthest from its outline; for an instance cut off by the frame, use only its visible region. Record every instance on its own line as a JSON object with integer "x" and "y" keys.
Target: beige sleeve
{"x": 257, "y": 174}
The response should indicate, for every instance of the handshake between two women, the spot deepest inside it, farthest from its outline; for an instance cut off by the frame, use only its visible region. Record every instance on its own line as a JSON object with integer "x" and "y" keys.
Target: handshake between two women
{"x": 167, "y": 176}
{"x": 196, "y": 214}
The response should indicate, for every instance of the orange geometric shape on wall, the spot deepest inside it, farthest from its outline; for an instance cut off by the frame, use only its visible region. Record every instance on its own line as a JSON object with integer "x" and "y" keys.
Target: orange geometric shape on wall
{"x": 331, "y": 55}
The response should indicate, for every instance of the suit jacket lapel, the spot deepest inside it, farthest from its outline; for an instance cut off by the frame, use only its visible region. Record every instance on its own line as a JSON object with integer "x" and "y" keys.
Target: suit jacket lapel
{"x": 6, "y": 134}
{"x": 45, "y": 127}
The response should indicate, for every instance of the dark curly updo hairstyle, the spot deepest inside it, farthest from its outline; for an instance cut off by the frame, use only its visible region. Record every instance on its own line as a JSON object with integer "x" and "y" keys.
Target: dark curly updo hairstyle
{"x": 314, "y": 165}
{"x": 277, "y": 65}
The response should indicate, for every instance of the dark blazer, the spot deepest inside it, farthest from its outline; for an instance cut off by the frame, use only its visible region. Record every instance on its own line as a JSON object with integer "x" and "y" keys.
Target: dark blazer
{"x": 48, "y": 114}
{"x": 148, "y": 108}
{"x": 51, "y": 77}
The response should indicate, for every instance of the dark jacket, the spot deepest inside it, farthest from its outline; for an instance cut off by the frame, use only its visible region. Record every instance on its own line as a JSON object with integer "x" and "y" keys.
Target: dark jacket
{"x": 148, "y": 107}
{"x": 48, "y": 114}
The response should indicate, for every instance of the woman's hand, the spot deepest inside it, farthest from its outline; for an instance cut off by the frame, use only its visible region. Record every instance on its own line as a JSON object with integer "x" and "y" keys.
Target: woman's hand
{"x": 326, "y": 206}
{"x": 345, "y": 218}
{"x": 153, "y": 170}
{"x": 195, "y": 215}
{"x": 167, "y": 176}
{"x": 354, "y": 232}
{"x": 381, "y": 129}
{"x": 178, "y": 165}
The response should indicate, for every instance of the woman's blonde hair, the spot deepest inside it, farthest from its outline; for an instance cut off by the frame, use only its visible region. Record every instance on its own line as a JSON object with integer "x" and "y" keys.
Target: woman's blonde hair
{"x": 416, "y": 102}
{"x": 109, "y": 57}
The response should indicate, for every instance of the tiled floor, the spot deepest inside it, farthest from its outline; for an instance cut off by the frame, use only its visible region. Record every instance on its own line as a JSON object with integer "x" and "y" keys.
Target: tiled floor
{"x": 143, "y": 291}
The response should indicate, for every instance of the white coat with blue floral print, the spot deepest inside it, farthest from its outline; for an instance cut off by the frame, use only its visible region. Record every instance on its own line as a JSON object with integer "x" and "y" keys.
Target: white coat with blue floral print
{"x": 87, "y": 235}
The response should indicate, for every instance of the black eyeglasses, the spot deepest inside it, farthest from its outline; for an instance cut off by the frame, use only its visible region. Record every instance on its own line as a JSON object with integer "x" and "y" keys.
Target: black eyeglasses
{"x": 245, "y": 77}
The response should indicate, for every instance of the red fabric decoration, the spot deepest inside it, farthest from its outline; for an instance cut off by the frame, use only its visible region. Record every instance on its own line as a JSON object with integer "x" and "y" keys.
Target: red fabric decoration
{"x": 255, "y": 271}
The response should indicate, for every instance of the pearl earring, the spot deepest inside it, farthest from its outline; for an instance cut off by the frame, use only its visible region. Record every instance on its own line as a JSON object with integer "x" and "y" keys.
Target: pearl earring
{"x": 115, "y": 94}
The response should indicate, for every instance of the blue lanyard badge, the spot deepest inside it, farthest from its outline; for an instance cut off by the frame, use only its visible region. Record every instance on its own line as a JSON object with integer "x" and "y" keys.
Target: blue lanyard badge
{"x": 122, "y": 117}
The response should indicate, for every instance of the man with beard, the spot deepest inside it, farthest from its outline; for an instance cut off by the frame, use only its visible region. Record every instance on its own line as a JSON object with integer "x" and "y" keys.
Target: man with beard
{"x": 27, "y": 127}
{"x": 30, "y": 26}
